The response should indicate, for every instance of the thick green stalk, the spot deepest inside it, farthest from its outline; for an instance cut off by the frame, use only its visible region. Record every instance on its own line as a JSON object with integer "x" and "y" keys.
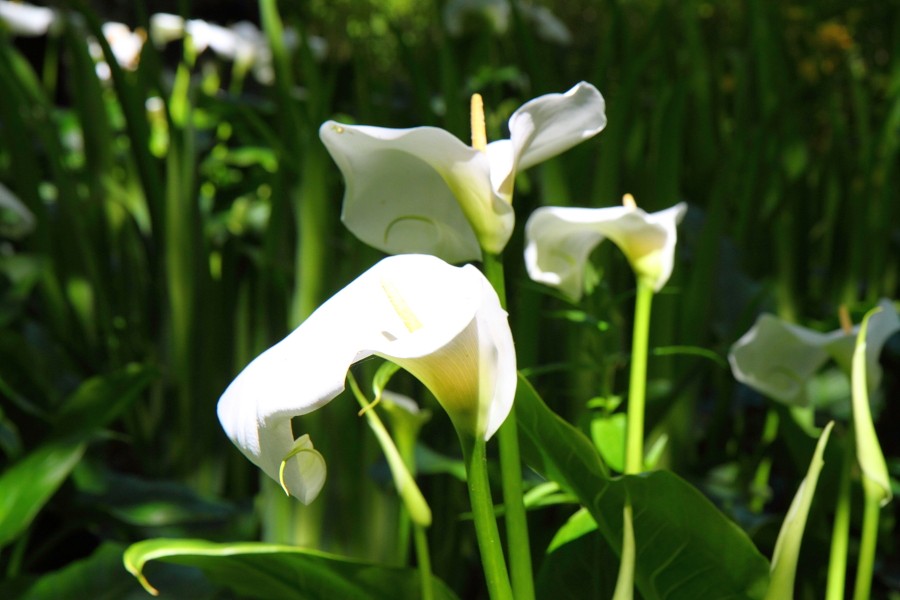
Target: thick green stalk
{"x": 840, "y": 533}
{"x": 637, "y": 389}
{"x": 511, "y": 471}
{"x": 495, "y": 573}
{"x": 872, "y": 493}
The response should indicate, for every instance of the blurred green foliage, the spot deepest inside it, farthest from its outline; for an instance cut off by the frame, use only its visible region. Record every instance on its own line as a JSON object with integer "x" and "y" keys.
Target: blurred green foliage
{"x": 179, "y": 216}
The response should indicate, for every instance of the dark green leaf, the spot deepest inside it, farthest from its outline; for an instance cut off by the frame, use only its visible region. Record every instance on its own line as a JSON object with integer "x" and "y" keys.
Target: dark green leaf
{"x": 101, "y": 399}
{"x": 686, "y": 548}
{"x": 27, "y": 485}
{"x": 100, "y": 576}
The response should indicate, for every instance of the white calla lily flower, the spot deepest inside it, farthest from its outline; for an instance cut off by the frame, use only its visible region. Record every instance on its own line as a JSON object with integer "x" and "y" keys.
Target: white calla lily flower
{"x": 441, "y": 323}
{"x": 27, "y": 20}
{"x": 778, "y": 358}
{"x": 559, "y": 241}
{"x": 424, "y": 190}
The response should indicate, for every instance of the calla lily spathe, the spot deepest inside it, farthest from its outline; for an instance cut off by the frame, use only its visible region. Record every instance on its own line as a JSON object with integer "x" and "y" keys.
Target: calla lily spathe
{"x": 778, "y": 358}
{"x": 559, "y": 241}
{"x": 441, "y": 323}
{"x": 424, "y": 190}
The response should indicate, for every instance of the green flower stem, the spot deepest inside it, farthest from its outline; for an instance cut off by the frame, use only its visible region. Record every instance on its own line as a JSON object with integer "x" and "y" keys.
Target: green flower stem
{"x": 406, "y": 486}
{"x": 402, "y": 471}
{"x": 625, "y": 581}
{"x": 872, "y": 493}
{"x": 760, "y": 483}
{"x": 511, "y": 470}
{"x": 840, "y": 533}
{"x": 424, "y": 561}
{"x": 495, "y": 573}
{"x": 637, "y": 388}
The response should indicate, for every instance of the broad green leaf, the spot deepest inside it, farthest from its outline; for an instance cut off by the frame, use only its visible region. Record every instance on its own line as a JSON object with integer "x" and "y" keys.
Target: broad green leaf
{"x": 28, "y": 485}
{"x": 686, "y": 548}
{"x": 579, "y": 563}
{"x": 787, "y": 548}
{"x": 275, "y": 572}
{"x": 868, "y": 451}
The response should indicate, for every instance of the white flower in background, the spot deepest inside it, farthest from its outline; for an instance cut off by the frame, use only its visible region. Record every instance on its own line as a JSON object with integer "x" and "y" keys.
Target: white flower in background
{"x": 424, "y": 190}
{"x": 27, "y": 20}
{"x": 166, "y": 28}
{"x": 547, "y": 25}
{"x": 441, "y": 323}
{"x": 559, "y": 241}
{"x": 242, "y": 42}
{"x": 778, "y": 358}
{"x": 126, "y": 46}
{"x": 458, "y": 13}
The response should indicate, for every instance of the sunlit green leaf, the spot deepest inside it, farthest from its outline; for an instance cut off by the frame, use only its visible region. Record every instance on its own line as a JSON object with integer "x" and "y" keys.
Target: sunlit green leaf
{"x": 868, "y": 450}
{"x": 787, "y": 548}
{"x": 276, "y": 572}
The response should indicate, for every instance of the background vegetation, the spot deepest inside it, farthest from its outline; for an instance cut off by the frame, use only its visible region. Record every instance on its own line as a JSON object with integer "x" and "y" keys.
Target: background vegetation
{"x": 178, "y": 214}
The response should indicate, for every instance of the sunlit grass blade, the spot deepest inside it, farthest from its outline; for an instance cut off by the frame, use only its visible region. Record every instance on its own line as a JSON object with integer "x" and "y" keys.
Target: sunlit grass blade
{"x": 787, "y": 547}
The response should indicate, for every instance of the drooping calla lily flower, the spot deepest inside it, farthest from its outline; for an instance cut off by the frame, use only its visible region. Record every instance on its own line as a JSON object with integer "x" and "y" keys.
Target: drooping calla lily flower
{"x": 424, "y": 190}
{"x": 778, "y": 358}
{"x": 559, "y": 240}
{"x": 441, "y": 323}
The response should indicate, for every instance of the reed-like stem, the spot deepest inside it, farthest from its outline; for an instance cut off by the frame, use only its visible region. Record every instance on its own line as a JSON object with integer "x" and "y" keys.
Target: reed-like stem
{"x": 840, "y": 533}
{"x": 872, "y": 493}
{"x": 637, "y": 389}
{"x": 517, "y": 538}
{"x": 495, "y": 573}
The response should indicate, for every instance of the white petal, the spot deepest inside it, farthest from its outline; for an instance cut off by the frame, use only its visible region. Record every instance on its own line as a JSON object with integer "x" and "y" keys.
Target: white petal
{"x": 454, "y": 316}
{"x": 165, "y": 28}
{"x": 125, "y": 44}
{"x": 668, "y": 219}
{"x": 459, "y": 13}
{"x": 547, "y": 25}
{"x": 221, "y": 40}
{"x": 551, "y": 124}
{"x": 558, "y": 245}
{"x": 26, "y": 20}
{"x": 559, "y": 241}
{"x": 417, "y": 190}
{"x": 777, "y": 358}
